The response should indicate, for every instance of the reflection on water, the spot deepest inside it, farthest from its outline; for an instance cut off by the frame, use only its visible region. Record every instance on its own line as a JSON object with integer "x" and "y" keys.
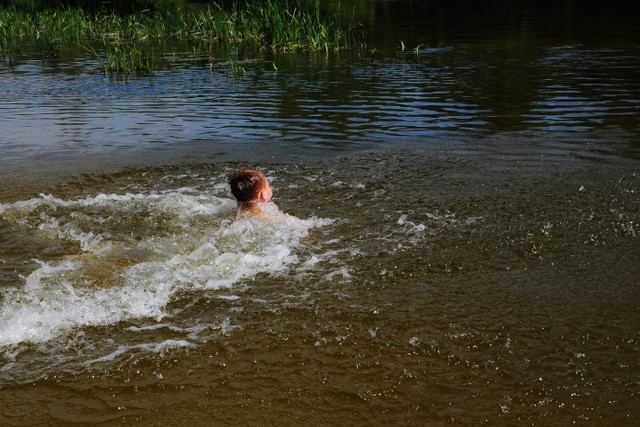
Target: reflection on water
{"x": 462, "y": 246}
{"x": 326, "y": 101}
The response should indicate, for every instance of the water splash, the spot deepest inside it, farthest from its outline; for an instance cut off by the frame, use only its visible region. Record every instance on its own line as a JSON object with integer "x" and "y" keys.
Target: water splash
{"x": 135, "y": 253}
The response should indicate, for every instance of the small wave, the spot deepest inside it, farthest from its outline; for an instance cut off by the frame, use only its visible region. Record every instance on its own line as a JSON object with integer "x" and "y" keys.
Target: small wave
{"x": 160, "y": 348}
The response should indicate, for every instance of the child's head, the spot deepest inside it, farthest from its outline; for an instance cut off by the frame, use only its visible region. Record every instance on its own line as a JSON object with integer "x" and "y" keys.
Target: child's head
{"x": 250, "y": 185}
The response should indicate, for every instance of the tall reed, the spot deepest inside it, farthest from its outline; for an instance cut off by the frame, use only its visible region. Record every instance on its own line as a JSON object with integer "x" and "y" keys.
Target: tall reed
{"x": 278, "y": 24}
{"x": 269, "y": 24}
{"x": 291, "y": 24}
{"x": 124, "y": 59}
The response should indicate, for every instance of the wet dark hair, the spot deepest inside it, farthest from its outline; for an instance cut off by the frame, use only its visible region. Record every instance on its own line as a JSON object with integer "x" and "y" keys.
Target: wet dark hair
{"x": 246, "y": 184}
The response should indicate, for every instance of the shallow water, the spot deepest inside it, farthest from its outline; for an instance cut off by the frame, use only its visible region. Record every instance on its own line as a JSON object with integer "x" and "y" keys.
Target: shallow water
{"x": 461, "y": 246}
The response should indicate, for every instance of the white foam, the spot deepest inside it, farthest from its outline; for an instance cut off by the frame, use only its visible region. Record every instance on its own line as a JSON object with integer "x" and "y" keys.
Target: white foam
{"x": 342, "y": 272}
{"x": 160, "y": 348}
{"x": 415, "y": 228}
{"x": 138, "y": 251}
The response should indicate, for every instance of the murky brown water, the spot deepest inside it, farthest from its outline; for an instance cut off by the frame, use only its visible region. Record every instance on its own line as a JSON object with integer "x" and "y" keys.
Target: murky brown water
{"x": 462, "y": 247}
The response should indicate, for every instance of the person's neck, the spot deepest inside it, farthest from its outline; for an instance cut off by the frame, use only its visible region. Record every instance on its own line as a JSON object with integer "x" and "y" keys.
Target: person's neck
{"x": 251, "y": 207}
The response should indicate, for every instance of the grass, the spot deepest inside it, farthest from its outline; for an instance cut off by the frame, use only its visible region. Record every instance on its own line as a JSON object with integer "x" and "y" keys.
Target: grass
{"x": 124, "y": 59}
{"x": 286, "y": 24}
{"x": 130, "y": 43}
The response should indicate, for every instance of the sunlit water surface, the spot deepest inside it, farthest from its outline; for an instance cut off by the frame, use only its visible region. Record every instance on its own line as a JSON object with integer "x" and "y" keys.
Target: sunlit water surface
{"x": 461, "y": 244}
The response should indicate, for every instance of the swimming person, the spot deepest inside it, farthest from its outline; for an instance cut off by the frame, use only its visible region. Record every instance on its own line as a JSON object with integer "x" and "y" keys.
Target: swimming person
{"x": 251, "y": 189}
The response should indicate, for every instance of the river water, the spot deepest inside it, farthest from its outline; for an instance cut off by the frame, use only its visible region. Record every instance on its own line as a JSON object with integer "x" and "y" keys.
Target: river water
{"x": 461, "y": 246}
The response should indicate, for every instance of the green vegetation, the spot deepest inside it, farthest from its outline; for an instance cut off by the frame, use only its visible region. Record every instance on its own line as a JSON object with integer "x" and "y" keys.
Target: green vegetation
{"x": 130, "y": 43}
{"x": 125, "y": 59}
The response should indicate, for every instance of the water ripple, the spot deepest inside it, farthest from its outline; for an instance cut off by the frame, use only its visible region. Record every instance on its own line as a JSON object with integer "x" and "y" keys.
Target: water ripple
{"x": 564, "y": 87}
